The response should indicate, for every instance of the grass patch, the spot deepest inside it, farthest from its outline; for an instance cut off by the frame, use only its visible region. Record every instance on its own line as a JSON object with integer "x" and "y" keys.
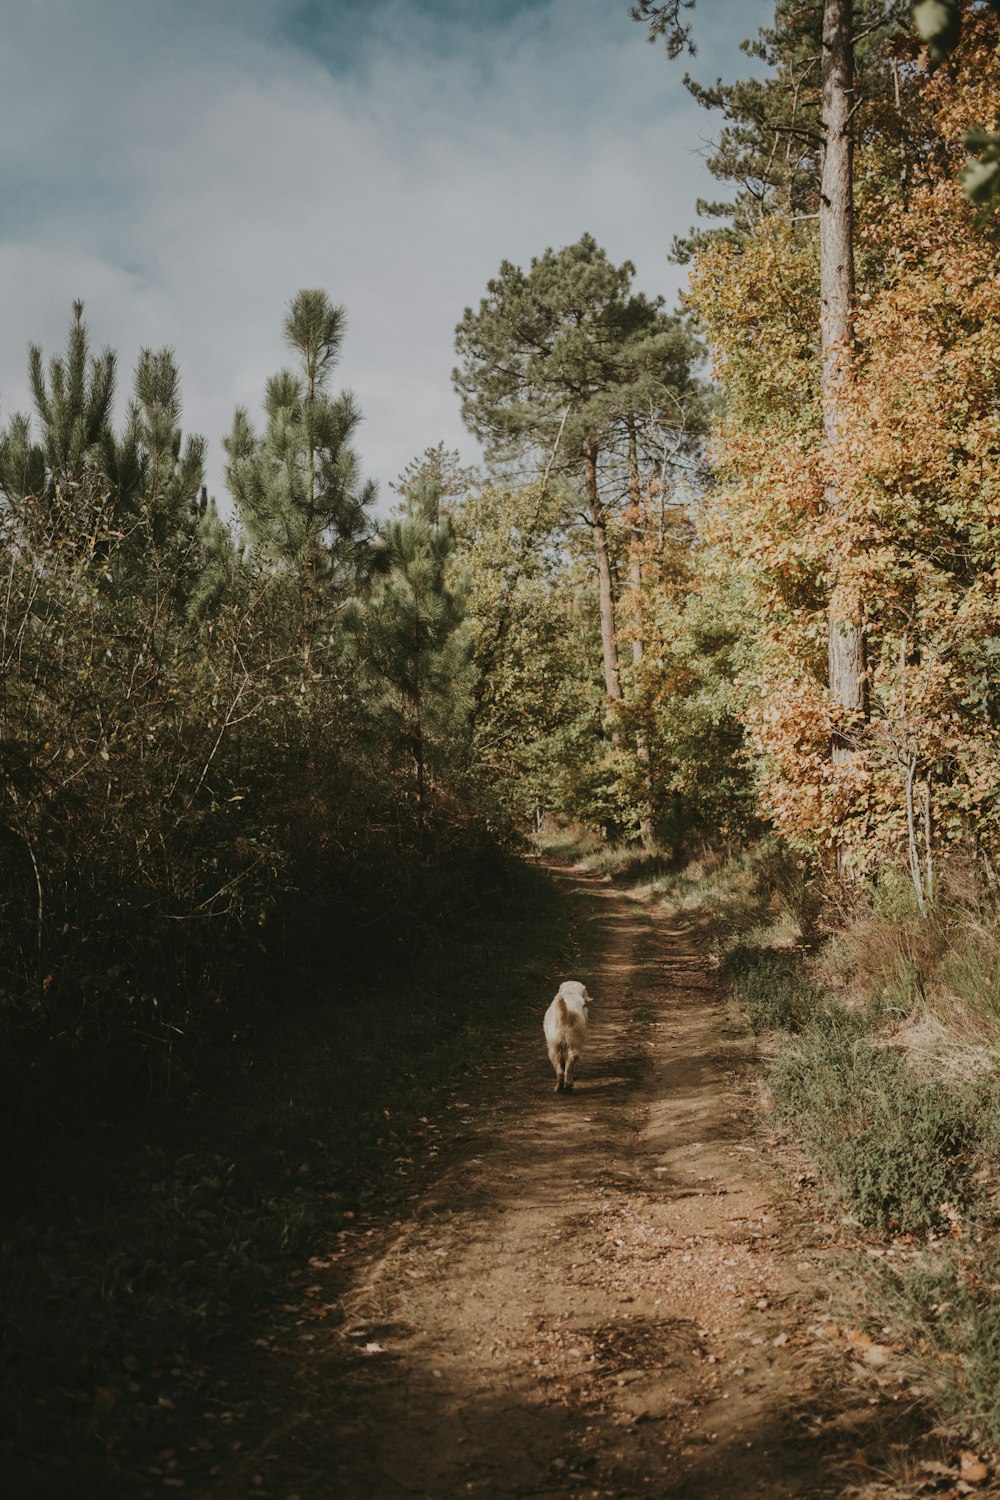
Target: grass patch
{"x": 769, "y": 987}
{"x": 147, "y": 1245}
{"x": 760, "y": 897}
{"x": 970, "y": 975}
{"x": 946, "y": 1306}
{"x": 572, "y": 842}
{"x": 899, "y": 964}
{"x": 630, "y": 863}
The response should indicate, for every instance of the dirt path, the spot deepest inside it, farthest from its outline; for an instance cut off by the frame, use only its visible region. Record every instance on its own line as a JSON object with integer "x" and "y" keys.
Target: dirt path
{"x": 611, "y": 1296}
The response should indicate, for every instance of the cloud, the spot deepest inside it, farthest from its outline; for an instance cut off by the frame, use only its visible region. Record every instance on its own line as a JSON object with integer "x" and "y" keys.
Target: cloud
{"x": 186, "y": 169}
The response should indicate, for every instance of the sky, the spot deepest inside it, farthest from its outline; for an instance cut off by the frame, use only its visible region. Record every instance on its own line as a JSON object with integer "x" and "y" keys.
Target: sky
{"x": 186, "y": 168}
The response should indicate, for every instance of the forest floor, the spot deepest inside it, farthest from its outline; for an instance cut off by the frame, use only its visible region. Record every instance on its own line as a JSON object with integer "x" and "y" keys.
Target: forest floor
{"x": 622, "y": 1291}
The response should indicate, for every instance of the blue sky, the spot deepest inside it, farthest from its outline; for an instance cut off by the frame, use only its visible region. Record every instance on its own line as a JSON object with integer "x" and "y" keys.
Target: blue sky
{"x": 186, "y": 168}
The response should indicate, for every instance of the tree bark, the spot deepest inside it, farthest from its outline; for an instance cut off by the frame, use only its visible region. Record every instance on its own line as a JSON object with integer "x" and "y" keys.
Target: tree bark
{"x": 635, "y": 563}
{"x": 837, "y": 303}
{"x": 647, "y": 831}
{"x": 609, "y": 645}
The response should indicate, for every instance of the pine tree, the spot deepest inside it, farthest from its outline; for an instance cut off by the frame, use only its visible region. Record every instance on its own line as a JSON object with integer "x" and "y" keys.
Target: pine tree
{"x": 297, "y": 486}
{"x": 846, "y": 643}
{"x": 565, "y": 362}
{"x": 770, "y": 146}
{"x": 789, "y": 144}
{"x": 71, "y": 480}
{"x": 43, "y": 478}
{"x": 170, "y": 472}
{"x": 414, "y": 640}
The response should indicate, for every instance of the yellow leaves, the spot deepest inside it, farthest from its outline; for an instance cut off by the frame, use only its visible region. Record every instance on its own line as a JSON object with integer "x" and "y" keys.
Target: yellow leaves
{"x": 757, "y": 303}
{"x": 914, "y": 541}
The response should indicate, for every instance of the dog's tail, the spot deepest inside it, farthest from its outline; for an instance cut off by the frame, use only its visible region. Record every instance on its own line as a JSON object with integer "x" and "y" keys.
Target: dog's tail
{"x": 561, "y": 1010}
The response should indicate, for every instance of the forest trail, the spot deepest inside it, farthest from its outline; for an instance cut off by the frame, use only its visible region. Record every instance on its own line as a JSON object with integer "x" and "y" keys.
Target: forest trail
{"x": 611, "y": 1295}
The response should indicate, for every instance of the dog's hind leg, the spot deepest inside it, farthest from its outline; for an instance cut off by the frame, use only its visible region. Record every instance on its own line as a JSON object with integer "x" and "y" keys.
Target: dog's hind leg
{"x": 557, "y": 1057}
{"x": 570, "y": 1064}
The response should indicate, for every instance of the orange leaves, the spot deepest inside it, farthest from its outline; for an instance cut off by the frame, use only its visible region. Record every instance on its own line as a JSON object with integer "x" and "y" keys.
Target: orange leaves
{"x": 914, "y": 546}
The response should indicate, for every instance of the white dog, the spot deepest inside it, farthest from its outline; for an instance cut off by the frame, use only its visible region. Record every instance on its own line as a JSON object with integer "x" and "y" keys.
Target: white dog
{"x": 565, "y": 1029}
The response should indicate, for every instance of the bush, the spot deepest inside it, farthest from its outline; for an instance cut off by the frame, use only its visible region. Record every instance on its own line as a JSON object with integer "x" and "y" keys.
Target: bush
{"x": 888, "y": 1146}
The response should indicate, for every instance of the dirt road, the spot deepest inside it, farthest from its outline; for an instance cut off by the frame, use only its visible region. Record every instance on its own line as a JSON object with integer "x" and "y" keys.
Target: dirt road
{"x": 610, "y": 1293}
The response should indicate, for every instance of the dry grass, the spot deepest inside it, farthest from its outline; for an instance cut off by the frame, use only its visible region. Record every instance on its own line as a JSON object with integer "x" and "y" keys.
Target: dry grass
{"x": 903, "y": 967}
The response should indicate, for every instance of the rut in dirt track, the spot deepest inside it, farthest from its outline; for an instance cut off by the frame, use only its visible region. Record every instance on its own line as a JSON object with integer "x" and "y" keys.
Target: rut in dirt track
{"x": 608, "y": 1301}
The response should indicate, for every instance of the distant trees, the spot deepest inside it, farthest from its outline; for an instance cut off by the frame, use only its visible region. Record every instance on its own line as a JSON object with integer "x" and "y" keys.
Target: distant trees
{"x": 565, "y": 366}
{"x": 539, "y": 707}
{"x": 565, "y": 360}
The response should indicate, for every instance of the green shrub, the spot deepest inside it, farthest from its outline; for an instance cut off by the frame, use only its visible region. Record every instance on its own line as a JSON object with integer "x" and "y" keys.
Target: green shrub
{"x": 769, "y": 988}
{"x": 887, "y": 1145}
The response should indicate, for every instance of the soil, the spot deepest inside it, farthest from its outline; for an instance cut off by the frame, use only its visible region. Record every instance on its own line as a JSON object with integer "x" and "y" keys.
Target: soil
{"x": 619, "y": 1291}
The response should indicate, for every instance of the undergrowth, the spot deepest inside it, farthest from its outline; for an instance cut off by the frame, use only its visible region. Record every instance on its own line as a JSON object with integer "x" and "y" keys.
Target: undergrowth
{"x": 769, "y": 987}
{"x": 946, "y": 1305}
{"x": 140, "y": 1245}
{"x": 891, "y": 1151}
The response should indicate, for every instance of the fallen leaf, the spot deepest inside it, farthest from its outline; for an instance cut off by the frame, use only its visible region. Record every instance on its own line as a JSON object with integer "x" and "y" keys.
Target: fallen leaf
{"x": 374, "y": 1348}
{"x": 104, "y": 1402}
{"x": 971, "y": 1467}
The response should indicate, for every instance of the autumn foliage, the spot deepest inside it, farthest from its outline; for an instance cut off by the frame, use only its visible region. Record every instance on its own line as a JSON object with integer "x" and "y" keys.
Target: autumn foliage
{"x": 915, "y": 548}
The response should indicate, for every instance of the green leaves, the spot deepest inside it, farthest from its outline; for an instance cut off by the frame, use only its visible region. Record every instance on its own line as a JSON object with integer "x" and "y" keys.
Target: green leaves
{"x": 939, "y": 24}
{"x": 298, "y": 485}
{"x": 981, "y": 179}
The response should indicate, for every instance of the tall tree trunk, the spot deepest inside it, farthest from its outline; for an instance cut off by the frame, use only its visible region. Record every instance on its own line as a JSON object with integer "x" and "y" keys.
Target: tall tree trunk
{"x": 418, "y": 750}
{"x": 609, "y": 645}
{"x": 635, "y": 562}
{"x": 837, "y": 298}
{"x": 647, "y": 833}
